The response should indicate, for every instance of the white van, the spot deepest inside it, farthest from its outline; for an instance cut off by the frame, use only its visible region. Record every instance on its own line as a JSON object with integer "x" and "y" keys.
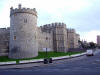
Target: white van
{"x": 89, "y": 52}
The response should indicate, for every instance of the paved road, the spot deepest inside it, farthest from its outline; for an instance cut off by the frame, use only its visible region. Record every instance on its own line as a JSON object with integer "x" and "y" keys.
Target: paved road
{"x": 75, "y": 66}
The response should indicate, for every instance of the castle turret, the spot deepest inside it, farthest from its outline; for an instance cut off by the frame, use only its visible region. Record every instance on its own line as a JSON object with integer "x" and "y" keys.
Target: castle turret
{"x": 60, "y": 37}
{"x": 23, "y": 29}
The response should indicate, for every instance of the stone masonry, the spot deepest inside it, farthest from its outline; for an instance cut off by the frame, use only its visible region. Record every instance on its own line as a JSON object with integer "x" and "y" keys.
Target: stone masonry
{"x": 23, "y": 29}
{"x": 24, "y": 38}
{"x": 73, "y": 38}
{"x": 98, "y": 40}
{"x": 4, "y": 41}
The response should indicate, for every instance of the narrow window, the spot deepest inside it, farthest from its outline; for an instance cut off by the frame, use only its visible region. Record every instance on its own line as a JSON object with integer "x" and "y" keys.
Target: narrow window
{"x": 35, "y": 36}
{"x": 14, "y": 37}
{"x": 15, "y": 14}
{"x": 25, "y": 20}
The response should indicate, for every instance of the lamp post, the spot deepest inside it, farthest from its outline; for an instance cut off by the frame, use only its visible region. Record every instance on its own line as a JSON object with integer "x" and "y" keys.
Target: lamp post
{"x": 46, "y": 59}
{"x": 46, "y": 49}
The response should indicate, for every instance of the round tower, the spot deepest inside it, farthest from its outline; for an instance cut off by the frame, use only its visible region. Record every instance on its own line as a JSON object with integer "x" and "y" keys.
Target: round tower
{"x": 23, "y": 42}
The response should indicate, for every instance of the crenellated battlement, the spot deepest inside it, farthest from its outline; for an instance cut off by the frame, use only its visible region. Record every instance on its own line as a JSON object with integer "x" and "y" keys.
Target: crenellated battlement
{"x": 3, "y": 30}
{"x": 54, "y": 25}
{"x": 23, "y": 39}
{"x": 71, "y": 30}
{"x": 22, "y": 10}
{"x": 58, "y": 24}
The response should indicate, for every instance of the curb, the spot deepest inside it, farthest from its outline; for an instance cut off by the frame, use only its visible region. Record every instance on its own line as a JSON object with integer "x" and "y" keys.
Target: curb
{"x": 41, "y": 60}
{"x": 53, "y": 58}
{"x": 30, "y": 61}
{"x": 67, "y": 57}
{"x": 7, "y": 63}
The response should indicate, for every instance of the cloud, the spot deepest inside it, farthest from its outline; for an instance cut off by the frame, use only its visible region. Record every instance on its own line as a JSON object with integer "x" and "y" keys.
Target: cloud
{"x": 83, "y": 15}
{"x": 4, "y": 16}
{"x": 58, "y": 9}
{"x": 90, "y": 36}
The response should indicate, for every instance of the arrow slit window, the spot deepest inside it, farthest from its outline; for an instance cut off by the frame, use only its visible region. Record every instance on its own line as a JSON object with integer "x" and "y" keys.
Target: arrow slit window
{"x": 14, "y": 37}
{"x": 25, "y": 20}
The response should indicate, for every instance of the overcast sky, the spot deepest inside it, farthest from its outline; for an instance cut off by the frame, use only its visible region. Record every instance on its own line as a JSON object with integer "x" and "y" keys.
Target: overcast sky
{"x": 82, "y": 15}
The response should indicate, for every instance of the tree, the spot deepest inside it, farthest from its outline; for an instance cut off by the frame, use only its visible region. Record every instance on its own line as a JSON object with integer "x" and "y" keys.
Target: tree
{"x": 92, "y": 45}
{"x": 83, "y": 44}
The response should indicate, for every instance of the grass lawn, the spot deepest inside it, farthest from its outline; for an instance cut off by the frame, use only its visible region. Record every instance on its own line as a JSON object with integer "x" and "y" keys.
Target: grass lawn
{"x": 41, "y": 55}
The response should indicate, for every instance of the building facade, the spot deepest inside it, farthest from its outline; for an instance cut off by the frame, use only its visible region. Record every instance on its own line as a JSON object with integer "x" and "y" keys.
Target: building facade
{"x": 4, "y": 41}
{"x": 98, "y": 40}
{"x": 22, "y": 43}
{"x": 44, "y": 40}
{"x": 24, "y": 38}
{"x": 58, "y": 34}
{"x": 73, "y": 38}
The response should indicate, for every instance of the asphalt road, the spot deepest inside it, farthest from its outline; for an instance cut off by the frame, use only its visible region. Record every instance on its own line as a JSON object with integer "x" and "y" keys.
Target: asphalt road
{"x": 76, "y": 66}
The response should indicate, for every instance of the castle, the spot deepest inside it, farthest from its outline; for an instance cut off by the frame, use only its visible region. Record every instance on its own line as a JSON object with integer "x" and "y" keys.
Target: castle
{"x": 23, "y": 39}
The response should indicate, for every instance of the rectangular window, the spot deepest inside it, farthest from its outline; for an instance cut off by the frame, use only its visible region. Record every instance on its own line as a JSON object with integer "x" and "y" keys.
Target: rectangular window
{"x": 14, "y": 37}
{"x": 25, "y": 20}
{"x": 15, "y": 14}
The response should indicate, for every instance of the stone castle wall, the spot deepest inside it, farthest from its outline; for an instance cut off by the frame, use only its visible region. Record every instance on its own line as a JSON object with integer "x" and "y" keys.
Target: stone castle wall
{"x": 98, "y": 40}
{"x": 44, "y": 43}
{"x": 59, "y": 35}
{"x": 4, "y": 41}
{"x": 23, "y": 29}
{"x": 26, "y": 39}
{"x": 73, "y": 38}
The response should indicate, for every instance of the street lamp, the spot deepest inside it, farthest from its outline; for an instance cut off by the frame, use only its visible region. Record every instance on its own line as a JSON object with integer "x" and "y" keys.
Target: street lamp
{"x": 46, "y": 59}
{"x": 46, "y": 49}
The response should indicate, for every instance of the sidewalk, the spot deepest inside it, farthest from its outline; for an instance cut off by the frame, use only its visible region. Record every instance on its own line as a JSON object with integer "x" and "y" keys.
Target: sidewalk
{"x": 39, "y": 62}
{"x": 20, "y": 66}
{"x": 35, "y": 63}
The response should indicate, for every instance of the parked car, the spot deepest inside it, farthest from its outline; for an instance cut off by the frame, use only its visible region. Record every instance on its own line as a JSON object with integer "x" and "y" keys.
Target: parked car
{"x": 89, "y": 52}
